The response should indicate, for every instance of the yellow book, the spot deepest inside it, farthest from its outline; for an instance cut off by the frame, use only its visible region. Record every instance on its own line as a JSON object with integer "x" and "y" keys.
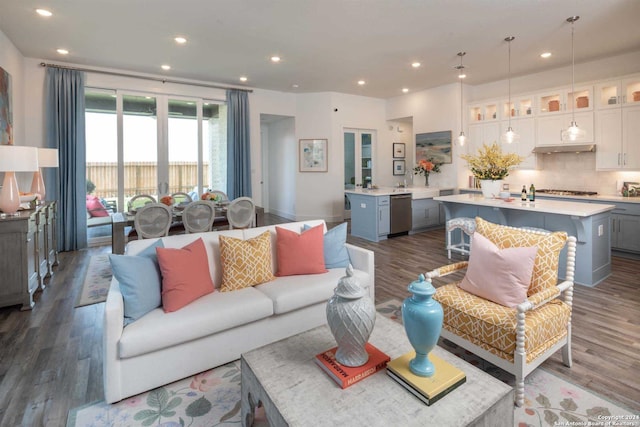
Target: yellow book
{"x": 428, "y": 389}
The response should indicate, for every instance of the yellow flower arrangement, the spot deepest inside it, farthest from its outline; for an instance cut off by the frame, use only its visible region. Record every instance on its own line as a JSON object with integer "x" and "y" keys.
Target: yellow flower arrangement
{"x": 491, "y": 163}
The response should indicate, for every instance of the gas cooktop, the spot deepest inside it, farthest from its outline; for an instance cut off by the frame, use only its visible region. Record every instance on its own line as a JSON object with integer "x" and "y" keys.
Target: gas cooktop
{"x": 567, "y": 192}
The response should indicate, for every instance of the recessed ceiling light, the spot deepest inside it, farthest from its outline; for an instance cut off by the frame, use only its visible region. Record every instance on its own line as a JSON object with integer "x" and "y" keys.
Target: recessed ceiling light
{"x": 180, "y": 40}
{"x": 545, "y": 55}
{"x": 462, "y": 76}
{"x": 206, "y": 103}
{"x": 166, "y": 67}
{"x": 275, "y": 59}
{"x": 147, "y": 97}
{"x": 295, "y": 86}
{"x": 405, "y": 89}
{"x": 62, "y": 51}
{"x": 44, "y": 12}
{"x": 415, "y": 64}
{"x": 243, "y": 79}
{"x": 361, "y": 82}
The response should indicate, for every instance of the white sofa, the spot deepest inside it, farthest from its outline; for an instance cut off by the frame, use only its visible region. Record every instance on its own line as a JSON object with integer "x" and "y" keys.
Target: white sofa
{"x": 160, "y": 347}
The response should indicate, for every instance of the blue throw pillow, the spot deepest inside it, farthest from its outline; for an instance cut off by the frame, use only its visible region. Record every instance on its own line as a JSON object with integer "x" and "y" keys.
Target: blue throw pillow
{"x": 140, "y": 281}
{"x": 335, "y": 251}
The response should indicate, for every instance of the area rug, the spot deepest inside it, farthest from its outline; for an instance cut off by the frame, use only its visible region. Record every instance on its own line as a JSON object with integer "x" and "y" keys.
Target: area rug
{"x": 96, "y": 282}
{"x": 212, "y": 398}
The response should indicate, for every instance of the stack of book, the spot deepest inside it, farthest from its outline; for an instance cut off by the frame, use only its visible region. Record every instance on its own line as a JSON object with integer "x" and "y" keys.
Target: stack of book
{"x": 428, "y": 389}
{"x": 345, "y": 375}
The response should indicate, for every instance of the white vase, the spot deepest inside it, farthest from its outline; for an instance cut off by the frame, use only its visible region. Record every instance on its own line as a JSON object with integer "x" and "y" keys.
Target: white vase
{"x": 351, "y": 316}
{"x": 490, "y": 188}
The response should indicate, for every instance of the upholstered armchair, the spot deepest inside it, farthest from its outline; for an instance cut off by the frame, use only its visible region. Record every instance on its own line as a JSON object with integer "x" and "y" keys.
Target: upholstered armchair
{"x": 518, "y": 338}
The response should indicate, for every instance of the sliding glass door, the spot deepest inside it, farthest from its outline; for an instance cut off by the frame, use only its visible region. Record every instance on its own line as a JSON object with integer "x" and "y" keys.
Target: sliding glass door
{"x": 153, "y": 144}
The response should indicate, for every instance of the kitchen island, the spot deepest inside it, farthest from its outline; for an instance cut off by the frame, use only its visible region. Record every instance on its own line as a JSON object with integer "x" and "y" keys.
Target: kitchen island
{"x": 590, "y": 223}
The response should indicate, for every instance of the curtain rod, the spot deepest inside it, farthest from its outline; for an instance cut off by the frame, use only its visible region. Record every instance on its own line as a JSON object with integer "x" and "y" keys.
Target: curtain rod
{"x": 157, "y": 79}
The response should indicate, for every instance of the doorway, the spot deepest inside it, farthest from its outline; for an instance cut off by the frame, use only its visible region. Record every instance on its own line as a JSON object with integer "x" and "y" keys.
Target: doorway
{"x": 359, "y": 163}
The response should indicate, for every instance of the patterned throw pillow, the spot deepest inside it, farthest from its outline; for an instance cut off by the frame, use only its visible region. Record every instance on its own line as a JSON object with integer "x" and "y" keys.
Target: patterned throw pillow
{"x": 245, "y": 262}
{"x": 545, "y": 268}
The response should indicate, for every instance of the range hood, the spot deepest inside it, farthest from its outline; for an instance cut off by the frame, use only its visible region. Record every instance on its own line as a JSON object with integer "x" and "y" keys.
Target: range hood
{"x": 565, "y": 148}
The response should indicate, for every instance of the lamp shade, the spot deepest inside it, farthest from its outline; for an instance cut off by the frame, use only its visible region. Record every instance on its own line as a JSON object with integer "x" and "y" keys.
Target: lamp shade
{"x": 48, "y": 157}
{"x": 15, "y": 158}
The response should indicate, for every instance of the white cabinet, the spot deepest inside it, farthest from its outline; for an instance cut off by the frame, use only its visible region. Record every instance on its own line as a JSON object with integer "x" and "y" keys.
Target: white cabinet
{"x": 615, "y": 93}
{"x": 483, "y": 133}
{"x": 549, "y": 128}
{"x": 618, "y": 146}
{"x": 484, "y": 112}
{"x": 526, "y": 129}
{"x": 522, "y": 106}
{"x": 562, "y": 100}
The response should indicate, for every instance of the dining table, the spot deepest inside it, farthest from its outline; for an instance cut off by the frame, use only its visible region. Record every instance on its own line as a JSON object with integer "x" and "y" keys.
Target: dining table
{"x": 121, "y": 220}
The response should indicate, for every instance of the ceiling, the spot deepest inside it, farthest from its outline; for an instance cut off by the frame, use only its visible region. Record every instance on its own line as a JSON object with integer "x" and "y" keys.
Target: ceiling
{"x": 325, "y": 45}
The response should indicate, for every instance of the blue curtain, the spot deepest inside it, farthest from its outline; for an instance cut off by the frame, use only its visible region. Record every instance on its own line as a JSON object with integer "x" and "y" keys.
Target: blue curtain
{"x": 238, "y": 145}
{"x": 64, "y": 110}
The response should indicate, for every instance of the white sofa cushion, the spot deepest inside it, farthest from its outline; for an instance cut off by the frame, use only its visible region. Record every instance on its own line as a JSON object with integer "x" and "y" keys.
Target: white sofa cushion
{"x": 215, "y": 312}
{"x": 290, "y": 293}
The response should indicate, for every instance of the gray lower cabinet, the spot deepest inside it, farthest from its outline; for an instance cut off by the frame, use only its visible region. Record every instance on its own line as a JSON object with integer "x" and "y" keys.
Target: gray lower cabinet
{"x": 625, "y": 227}
{"x": 24, "y": 245}
{"x": 370, "y": 216}
{"x": 425, "y": 213}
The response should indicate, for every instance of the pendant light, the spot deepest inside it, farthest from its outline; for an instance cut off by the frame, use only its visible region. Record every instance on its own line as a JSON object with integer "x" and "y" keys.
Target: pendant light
{"x": 462, "y": 139}
{"x": 573, "y": 133}
{"x": 509, "y": 136}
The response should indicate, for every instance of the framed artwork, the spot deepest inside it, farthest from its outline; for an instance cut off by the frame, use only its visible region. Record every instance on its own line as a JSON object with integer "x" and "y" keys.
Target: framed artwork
{"x": 399, "y": 167}
{"x": 434, "y": 145}
{"x": 312, "y": 155}
{"x": 398, "y": 150}
{"x": 6, "y": 109}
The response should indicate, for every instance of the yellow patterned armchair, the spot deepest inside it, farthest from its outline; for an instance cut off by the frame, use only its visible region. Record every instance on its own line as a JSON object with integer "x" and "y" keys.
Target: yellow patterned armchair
{"x": 516, "y": 339}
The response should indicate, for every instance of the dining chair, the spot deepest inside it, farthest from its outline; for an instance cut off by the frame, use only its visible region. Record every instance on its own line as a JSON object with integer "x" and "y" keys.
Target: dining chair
{"x": 198, "y": 216}
{"x": 241, "y": 213}
{"x": 181, "y": 198}
{"x": 153, "y": 220}
{"x": 136, "y": 202}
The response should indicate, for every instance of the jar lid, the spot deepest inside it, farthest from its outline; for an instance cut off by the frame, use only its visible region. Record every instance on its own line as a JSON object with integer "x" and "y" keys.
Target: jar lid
{"x": 422, "y": 286}
{"x": 349, "y": 287}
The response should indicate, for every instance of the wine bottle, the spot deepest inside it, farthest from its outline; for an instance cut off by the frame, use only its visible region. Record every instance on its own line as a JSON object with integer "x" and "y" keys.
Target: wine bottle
{"x": 532, "y": 193}
{"x": 523, "y": 196}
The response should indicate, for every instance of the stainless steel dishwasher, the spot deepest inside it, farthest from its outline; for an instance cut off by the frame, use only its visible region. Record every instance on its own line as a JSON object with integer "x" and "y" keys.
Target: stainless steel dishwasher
{"x": 400, "y": 214}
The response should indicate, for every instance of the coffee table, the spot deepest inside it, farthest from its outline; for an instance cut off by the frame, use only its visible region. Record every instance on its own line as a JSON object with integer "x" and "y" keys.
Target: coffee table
{"x": 296, "y": 392}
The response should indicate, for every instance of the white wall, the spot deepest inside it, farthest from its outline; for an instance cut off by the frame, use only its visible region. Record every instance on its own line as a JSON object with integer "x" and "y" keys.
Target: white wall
{"x": 280, "y": 140}
{"x": 12, "y": 61}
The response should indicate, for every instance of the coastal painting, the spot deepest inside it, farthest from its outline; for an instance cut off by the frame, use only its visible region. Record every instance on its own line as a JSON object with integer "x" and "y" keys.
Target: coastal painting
{"x": 435, "y": 146}
{"x": 6, "y": 112}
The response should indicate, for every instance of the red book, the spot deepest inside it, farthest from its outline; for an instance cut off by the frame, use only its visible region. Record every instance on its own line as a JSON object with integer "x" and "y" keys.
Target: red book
{"x": 345, "y": 375}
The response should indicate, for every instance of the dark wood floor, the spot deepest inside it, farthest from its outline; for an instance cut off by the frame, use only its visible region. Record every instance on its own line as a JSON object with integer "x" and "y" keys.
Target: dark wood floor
{"x": 50, "y": 357}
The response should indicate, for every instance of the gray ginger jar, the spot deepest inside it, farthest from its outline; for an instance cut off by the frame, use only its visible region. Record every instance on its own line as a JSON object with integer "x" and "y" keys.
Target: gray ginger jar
{"x": 351, "y": 316}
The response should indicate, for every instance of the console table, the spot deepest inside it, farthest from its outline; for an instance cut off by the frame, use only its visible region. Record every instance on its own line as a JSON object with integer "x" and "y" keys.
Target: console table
{"x": 29, "y": 252}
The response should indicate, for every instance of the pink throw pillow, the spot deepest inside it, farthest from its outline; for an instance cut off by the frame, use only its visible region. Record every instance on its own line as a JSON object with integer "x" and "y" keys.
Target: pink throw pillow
{"x": 300, "y": 253}
{"x": 499, "y": 275}
{"x": 94, "y": 207}
{"x": 185, "y": 275}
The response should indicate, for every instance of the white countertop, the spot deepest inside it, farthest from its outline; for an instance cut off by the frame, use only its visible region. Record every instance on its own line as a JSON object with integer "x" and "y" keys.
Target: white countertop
{"x": 598, "y": 198}
{"x": 416, "y": 192}
{"x": 560, "y": 207}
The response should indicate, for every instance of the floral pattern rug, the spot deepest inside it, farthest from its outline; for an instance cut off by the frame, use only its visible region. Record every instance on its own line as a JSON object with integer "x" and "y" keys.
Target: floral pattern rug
{"x": 97, "y": 281}
{"x": 212, "y": 398}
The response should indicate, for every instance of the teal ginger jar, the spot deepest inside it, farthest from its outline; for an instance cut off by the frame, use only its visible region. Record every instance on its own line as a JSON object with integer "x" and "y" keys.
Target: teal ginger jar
{"x": 422, "y": 317}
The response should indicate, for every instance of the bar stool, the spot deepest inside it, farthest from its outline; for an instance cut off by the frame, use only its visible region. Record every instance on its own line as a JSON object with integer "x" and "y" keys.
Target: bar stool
{"x": 467, "y": 226}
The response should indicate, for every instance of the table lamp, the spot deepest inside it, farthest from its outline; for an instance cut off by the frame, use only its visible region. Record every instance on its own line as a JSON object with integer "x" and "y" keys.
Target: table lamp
{"x": 47, "y": 158}
{"x": 14, "y": 159}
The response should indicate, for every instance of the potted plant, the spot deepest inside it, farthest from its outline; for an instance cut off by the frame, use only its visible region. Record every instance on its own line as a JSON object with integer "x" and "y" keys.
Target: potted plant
{"x": 491, "y": 166}
{"x": 425, "y": 167}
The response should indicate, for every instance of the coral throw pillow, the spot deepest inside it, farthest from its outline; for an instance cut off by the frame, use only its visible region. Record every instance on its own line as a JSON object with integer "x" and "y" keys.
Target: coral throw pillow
{"x": 300, "y": 253}
{"x": 185, "y": 275}
{"x": 545, "y": 269}
{"x": 94, "y": 207}
{"x": 499, "y": 275}
{"x": 245, "y": 263}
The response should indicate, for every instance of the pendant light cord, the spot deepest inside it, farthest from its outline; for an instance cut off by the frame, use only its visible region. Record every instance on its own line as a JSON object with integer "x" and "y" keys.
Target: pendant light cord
{"x": 573, "y": 75}
{"x": 509, "y": 40}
